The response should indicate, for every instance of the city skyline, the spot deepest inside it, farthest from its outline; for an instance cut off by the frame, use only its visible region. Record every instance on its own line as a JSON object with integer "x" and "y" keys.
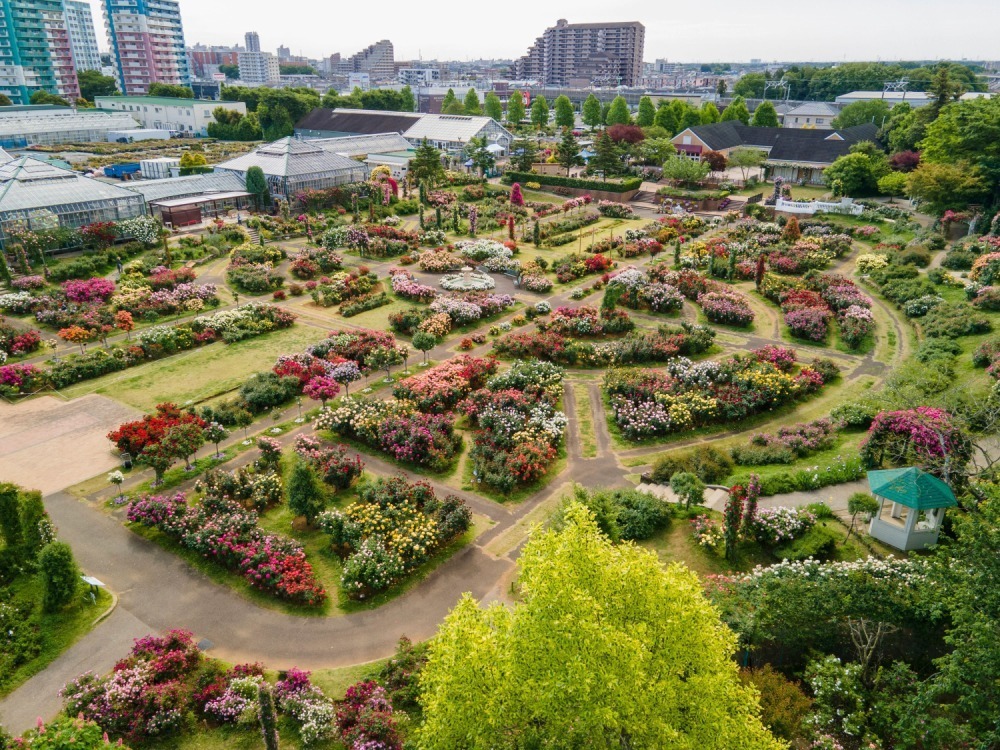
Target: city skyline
{"x": 856, "y": 31}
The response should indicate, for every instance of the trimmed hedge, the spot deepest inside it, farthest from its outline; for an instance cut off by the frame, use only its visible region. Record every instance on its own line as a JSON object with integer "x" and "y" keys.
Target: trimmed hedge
{"x": 549, "y": 180}
{"x": 692, "y": 195}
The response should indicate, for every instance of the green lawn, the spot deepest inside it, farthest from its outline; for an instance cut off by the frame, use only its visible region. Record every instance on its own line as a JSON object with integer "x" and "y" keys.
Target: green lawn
{"x": 199, "y": 374}
{"x": 585, "y": 421}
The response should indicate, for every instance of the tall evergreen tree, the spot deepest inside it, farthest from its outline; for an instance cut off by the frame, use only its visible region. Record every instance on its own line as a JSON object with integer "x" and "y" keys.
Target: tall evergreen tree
{"x": 565, "y": 116}
{"x": 737, "y": 111}
{"x": 709, "y": 113}
{"x": 425, "y": 166}
{"x": 539, "y": 112}
{"x": 305, "y": 496}
{"x": 666, "y": 118}
{"x": 619, "y": 113}
{"x": 607, "y": 159}
{"x": 765, "y": 116}
{"x": 257, "y": 187}
{"x": 492, "y": 107}
{"x": 647, "y": 113}
{"x": 471, "y": 103}
{"x": 568, "y": 151}
{"x": 408, "y": 101}
{"x": 523, "y": 154}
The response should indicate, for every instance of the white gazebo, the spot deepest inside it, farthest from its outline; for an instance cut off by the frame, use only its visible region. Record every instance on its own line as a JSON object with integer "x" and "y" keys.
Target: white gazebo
{"x": 911, "y": 507}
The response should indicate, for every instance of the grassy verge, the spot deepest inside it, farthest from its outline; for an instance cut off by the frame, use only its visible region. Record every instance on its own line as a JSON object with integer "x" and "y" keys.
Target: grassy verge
{"x": 57, "y": 631}
{"x": 585, "y": 421}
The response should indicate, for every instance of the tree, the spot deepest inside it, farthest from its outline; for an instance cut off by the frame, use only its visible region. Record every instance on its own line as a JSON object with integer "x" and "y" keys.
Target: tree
{"x": 736, "y": 111}
{"x": 946, "y": 186}
{"x": 856, "y": 173}
{"x": 589, "y": 657}
{"x": 125, "y": 323}
{"x": 10, "y": 514}
{"x": 709, "y": 113}
{"x": 93, "y": 83}
{"x": 607, "y": 158}
{"x": 568, "y": 151}
{"x": 565, "y": 116}
{"x": 684, "y": 170}
{"x": 267, "y": 716}
{"x": 746, "y": 159}
{"x": 471, "y": 103}
{"x": 859, "y": 113}
{"x": 492, "y": 107}
{"x": 305, "y": 495}
{"x": 893, "y": 184}
{"x": 630, "y": 134}
{"x": 158, "y": 456}
{"x": 716, "y": 160}
{"x": 482, "y": 158}
{"x": 765, "y": 116}
{"x": 44, "y": 97}
{"x": 215, "y": 433}
{"x": 732, "y": 518}
{"x": 425, "y": 166}
{"x": 666, "y": 117}
{"x": 619, "y": 113}
{"x": 690, "y": 117}
{"x": 192, "y": 159}
{"x": 515, "y": 108}
{"x": 449, "y": 100}
{"x": 230, "y": 71}
{"x": 967, "y": 131}
{"x": 408, "y": 102}
{"x": 257, "y": 187}
{"x": 688, "y": 487}
{"x": 275, "y": 121}
{"x": 647, "y": 112}
{"x": 296, "y": 69}
{"x": 750, "y": 86}
{"x": 655, "y": 151}
{"x": 592, "y": 112}
{"x": 720, "y": 87}
{"x": 904, "y": 161}
{"x": 184, "y": 440}
{"x": 524, "y": 152}
{"x": 60, "y": 575}
{"x": 858, "y": 503}
{"x": 424, "y": 342}
{"x": 539, "y": 112}
{"x": 171, "y": 91}
{"x": 321, "y": 388}
{"x": 383, "y": 358}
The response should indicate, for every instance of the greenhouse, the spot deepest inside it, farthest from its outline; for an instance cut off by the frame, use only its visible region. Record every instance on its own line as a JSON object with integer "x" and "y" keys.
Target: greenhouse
{"x": 292, "y": 166}
{"x": 35, "y": 196}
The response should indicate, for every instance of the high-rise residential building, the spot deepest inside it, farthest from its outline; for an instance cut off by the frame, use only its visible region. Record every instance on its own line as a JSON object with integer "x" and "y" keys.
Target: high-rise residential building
{"x": 284, "y": 54}
{"x": 205, "y": 60}
{"x": 257, "y": 67}
{"x": 35, "y": 52}
{"x": 376, "y": 60}
{"x": 147, "y": 41}
{"x": 82, "y": 36}
{"x": 571, "y": 54}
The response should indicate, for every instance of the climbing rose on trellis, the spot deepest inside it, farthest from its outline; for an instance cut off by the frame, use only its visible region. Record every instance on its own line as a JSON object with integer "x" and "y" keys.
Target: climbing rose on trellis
{"x": 924, "y": 435}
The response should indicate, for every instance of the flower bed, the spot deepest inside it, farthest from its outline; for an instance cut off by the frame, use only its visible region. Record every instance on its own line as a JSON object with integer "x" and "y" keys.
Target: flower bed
{"x": 15, "y": 343}
{"x": 441, "y": 388}
{"x": 397, "y": 429}
{"x": 332, "y": 463}
{"x": 519, "y": 429}
{"x": 720, "y": 303}
{"x": 439, "y": 260}
{"x": 778, "y": 525}
{"x": 785, "y": 446}
{"x": 343, "y": 286}
{"x": 614, "y": 210}
{"x": 226, "y": 533}
{"x": 587, "y": 321}
{"x": 405, "y": 285}
{"x": 652, "y": 404}
{"x": 393, "y": 528}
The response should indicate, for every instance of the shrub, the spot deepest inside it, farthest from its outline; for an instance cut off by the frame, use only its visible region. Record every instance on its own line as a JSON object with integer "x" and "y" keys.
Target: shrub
{"x": 60, "y": 574}
{"x": 706, "y": 462}
{"x": 952, "y": 321}
{"x": 783, "y": 704}
{"x": 819, "y": 543}
{"x": 855, "y": 415}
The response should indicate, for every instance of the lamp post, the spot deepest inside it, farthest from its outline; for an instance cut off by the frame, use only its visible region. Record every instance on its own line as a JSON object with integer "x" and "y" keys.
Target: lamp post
{"x": 298, "y": 403}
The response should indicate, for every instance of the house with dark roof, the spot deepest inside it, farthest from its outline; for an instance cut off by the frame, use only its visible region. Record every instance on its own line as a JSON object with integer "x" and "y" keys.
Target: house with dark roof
{"x": 794, "y": 154}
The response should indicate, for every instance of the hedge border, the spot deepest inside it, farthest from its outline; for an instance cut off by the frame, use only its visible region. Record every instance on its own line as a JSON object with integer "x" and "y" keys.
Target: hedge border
{"x": 571, "y": 182}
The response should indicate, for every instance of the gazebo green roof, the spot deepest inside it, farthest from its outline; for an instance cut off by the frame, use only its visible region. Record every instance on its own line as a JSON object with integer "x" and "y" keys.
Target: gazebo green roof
{"x": 911, "y": 487}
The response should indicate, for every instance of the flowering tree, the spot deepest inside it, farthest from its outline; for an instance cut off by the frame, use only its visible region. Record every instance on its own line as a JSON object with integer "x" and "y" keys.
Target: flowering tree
{"x": 124, "y": 322}
{"x": 516, "y": 198}
{"x": 215, "y": 433}
{"x": 732, "y": 517}
{"x": 184, "y": 439}
{"x": 383, "y": 358}
{"x": 926, "y": 436}
{"x": 322, "y": 388}
{"x": 345, "y": 373}
{"x": 157, "y": 456}
{"x": 77, "y": 335}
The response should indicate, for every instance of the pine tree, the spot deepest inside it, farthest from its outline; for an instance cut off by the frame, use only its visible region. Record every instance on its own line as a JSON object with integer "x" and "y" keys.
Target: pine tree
{"x": 425, "y": 165}
{"x": 607, "y": 156}
{"x": 568, "y": 151}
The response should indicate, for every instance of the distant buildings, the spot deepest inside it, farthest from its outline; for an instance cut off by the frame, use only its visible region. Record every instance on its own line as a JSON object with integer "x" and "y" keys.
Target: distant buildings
{"x": 188, "y": 116}
{"x": 147, "y": 43}
{"x": 419, "y": 76}
{"x": 35, "y": 50}
{"x": 913, "y": 98}
{"x": 582, "y": 54}
{"x": 257, "y": 67}
{"x": 376, "y": 60}
{"x": 82, "y": 36}
{"x": 48, "y": 125}
{"x": 811, "y": 115}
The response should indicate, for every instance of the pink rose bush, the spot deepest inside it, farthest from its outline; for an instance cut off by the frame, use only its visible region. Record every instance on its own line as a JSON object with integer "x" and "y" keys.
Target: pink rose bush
{"x": 924, "y": 436}
{"x": 405, "y": 285}
{"x": 229, "y": 535}
{"x": 440, "y": 388}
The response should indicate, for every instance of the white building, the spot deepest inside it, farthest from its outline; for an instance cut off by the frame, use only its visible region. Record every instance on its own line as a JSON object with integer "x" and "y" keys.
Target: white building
{"x": 82, "y": 36}
{"x": 259, "y": 67}
{"x": 811, "y": 115}
{"x": 22, "y": 126}
{"x": 187, "y": 116}
{"x": 913, "y": 98}
{"x": 419, "y": 76}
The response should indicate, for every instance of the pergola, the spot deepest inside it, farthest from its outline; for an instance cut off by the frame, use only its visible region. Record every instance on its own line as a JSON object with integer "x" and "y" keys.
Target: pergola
{"x": 178, "y": 212}
{"x": 915, "y": 501}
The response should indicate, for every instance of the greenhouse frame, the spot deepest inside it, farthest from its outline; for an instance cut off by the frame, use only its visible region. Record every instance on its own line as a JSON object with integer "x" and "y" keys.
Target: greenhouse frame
{"x": 36, "y": 196}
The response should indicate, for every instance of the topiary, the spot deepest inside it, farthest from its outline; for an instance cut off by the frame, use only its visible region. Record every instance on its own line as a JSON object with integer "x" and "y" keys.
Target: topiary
{"x": 60, "y": 575}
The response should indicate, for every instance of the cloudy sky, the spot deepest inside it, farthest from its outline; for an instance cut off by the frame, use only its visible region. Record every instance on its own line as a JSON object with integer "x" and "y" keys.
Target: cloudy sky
{"x": 731, "y": 31}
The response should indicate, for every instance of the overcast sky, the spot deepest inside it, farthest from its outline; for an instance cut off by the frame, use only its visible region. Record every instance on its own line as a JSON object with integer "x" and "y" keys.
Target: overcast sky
{"x": 726, "y": 31}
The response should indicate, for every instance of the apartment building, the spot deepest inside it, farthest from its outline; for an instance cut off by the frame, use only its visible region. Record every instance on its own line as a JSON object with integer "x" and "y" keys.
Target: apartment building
{"x": 584, "y": 54}
{"x": 36, "y": 54}
{"x": 147, "y": 44}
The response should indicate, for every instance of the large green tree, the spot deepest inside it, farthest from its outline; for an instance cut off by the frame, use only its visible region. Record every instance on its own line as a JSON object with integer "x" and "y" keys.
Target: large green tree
{"x": 93, "y": 83}
{"x": 619, "y": 113}
{"x": 171, "y": 90}
{"x": 967, "y": 131}
{"x": 647, "y": 113}
{"x": 524, "y": 153}
{"x": 426, "y": 166}
{"x": 859, "y": 113}
{"x": 750, "y": 86}
{"x": 946, "y": 186}
{"x": 684, "y": 170}
{"x": 408, "y": 102}
{"x": 492, "y": 106}
{"x": 44, "y": 97}
{"x": 607, "y": 159}
{"x": 471, "y": 103}
{"x": 592, "y": 112}
{"x": 257, "y": 187}
{"x": 709, "y": 113}
{"x": 478, "y": 151}
{"x": 765, "y": 116}
{"x": 605, "y": 649}
{"x": 515, "y": 108}
{"x": 736, "y": 111}
{"x": 539, "y": 112}
{"x": 746, "y": 159}
{"x": 565, "y": 116}
{"x": 666, "y": 117}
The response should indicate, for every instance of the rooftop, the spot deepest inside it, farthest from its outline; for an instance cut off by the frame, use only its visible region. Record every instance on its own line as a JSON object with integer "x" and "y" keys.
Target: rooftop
{"x": 357, "y": 121}
{"x": 27, "y": 183}
{"x": 179, "y": 187}
{"x": 289, "y": 157}
{"x": 362, "y": 145}
{"x": 162, "y": 101}
{"x": 911, "y": 487}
